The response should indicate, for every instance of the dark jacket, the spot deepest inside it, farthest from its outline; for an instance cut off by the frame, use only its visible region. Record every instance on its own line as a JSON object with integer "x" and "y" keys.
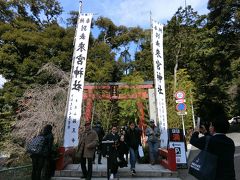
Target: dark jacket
{"x": 123, "y": 147}
{"x": 133, "y": 138}
{"x": 115, "y": 138}
{"x": 100, "y": 132}
{"x": 48, "y": 144}
{"x": 224, "y": 148}
{"x": 113, "y": 151}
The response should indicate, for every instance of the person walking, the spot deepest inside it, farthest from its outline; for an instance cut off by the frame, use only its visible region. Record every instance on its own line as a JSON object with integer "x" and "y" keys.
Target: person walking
{"x": 100, "y": 132}
{"x": 123, "y": 149}
{"x": 133, "y": 140}
{"x": 87, "y": 145}
{"x": 153, "y": 139}
{"x": 113, "y": 151}
{"x": 41, "y": 162}
{"x": 220, "y": 145}
{"x": 48, "y": 153}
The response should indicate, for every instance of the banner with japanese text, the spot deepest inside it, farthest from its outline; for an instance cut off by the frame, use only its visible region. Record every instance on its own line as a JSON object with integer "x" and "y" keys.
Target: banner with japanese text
{"x": 75, "y": 94}
{"x": 159, "y": 80}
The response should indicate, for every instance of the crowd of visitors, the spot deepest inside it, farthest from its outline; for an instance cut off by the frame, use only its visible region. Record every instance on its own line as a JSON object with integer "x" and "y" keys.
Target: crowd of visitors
{"x": 125, "y": 143}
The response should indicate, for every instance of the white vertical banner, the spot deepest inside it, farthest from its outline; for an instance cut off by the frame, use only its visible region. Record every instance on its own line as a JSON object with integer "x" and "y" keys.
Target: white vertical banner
{"x": 158, "y": 64}
{"x": 152, "y": 105}
{"x": 75, "y": 95}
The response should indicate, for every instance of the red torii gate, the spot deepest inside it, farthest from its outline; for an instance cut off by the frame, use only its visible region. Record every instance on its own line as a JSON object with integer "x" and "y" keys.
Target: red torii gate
{"x": 113, "y": 88}
{"x": 112, "y": 94}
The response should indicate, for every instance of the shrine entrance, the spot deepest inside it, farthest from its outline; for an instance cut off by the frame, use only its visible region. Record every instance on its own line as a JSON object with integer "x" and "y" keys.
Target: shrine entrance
{"x": 112, "y": 92}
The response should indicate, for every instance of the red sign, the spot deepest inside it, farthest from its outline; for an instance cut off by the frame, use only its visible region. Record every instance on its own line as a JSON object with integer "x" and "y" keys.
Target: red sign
{"x": 180, "y": 95}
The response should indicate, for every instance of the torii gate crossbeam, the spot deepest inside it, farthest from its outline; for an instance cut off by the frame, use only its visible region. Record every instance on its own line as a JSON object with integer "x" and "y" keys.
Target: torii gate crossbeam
{"x": 89, "y": 96}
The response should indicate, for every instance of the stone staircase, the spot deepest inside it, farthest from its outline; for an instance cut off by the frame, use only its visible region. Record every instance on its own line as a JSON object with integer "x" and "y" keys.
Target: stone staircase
{"x": 144, "y": 171}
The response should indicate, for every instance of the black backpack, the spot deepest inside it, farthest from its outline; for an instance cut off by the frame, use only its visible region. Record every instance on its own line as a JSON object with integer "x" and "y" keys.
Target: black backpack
{"x": 36, "y": 145}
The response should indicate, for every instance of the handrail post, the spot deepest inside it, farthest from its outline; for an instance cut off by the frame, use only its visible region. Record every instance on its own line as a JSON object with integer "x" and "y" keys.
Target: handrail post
{"x": 60, "y": 161}
{"x": 172, "y": 159}
{"x": 169, "y": 158}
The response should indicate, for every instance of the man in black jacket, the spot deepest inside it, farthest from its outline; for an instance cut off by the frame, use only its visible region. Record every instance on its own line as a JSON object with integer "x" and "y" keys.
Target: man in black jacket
{"x": 219, "y": 145}
{"x": 133, "y": 140}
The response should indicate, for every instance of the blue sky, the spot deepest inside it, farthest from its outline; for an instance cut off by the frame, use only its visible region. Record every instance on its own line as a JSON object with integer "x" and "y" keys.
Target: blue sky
{"x": 133, "y": 12}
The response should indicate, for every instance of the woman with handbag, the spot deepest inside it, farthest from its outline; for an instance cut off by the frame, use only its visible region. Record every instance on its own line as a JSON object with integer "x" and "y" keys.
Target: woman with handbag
{"x": 221, "y": 146}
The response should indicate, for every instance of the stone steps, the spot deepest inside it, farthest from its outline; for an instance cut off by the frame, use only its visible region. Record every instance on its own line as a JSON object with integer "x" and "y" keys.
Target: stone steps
{"x": 144, "y": 171}
{"x": 135, "y": 178}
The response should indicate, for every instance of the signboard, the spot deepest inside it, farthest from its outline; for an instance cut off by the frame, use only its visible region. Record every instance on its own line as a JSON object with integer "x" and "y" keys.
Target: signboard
{"x": 182, "y": 113}
{"x": 177, "y": 141}
{"x": 181, "y": 158}
{"x": 75, "y": 93}
{"x": 159, "y": 81}
{"x": 176, "y": 135}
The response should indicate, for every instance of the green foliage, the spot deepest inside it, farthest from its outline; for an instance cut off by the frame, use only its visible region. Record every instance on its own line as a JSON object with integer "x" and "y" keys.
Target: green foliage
{"x": 234, "y": 88}
{"x": 26, "y": 49}
{"x": 181, "y": 40}
{"x": 224, "y": 15}
{"x": 224, "y": 19}
{"x": 104, "y": 111}
{"x": 143, "y": 63}
{"x": 185, "y": 84}
{"x": 100, "y": 65}
{"x": 128, "y": 108}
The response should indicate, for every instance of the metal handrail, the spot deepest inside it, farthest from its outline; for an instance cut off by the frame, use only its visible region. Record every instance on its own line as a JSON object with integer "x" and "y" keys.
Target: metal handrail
{"x": 16, "y": 173}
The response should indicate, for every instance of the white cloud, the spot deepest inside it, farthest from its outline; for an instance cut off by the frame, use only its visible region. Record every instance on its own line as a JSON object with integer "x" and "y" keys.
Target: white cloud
{"x": 135, "y": 12}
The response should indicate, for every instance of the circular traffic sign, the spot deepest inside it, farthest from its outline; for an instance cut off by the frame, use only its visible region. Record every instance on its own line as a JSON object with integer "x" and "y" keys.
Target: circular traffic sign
{"x": 180, "y": 95}
{"x": 181, "y": 107}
